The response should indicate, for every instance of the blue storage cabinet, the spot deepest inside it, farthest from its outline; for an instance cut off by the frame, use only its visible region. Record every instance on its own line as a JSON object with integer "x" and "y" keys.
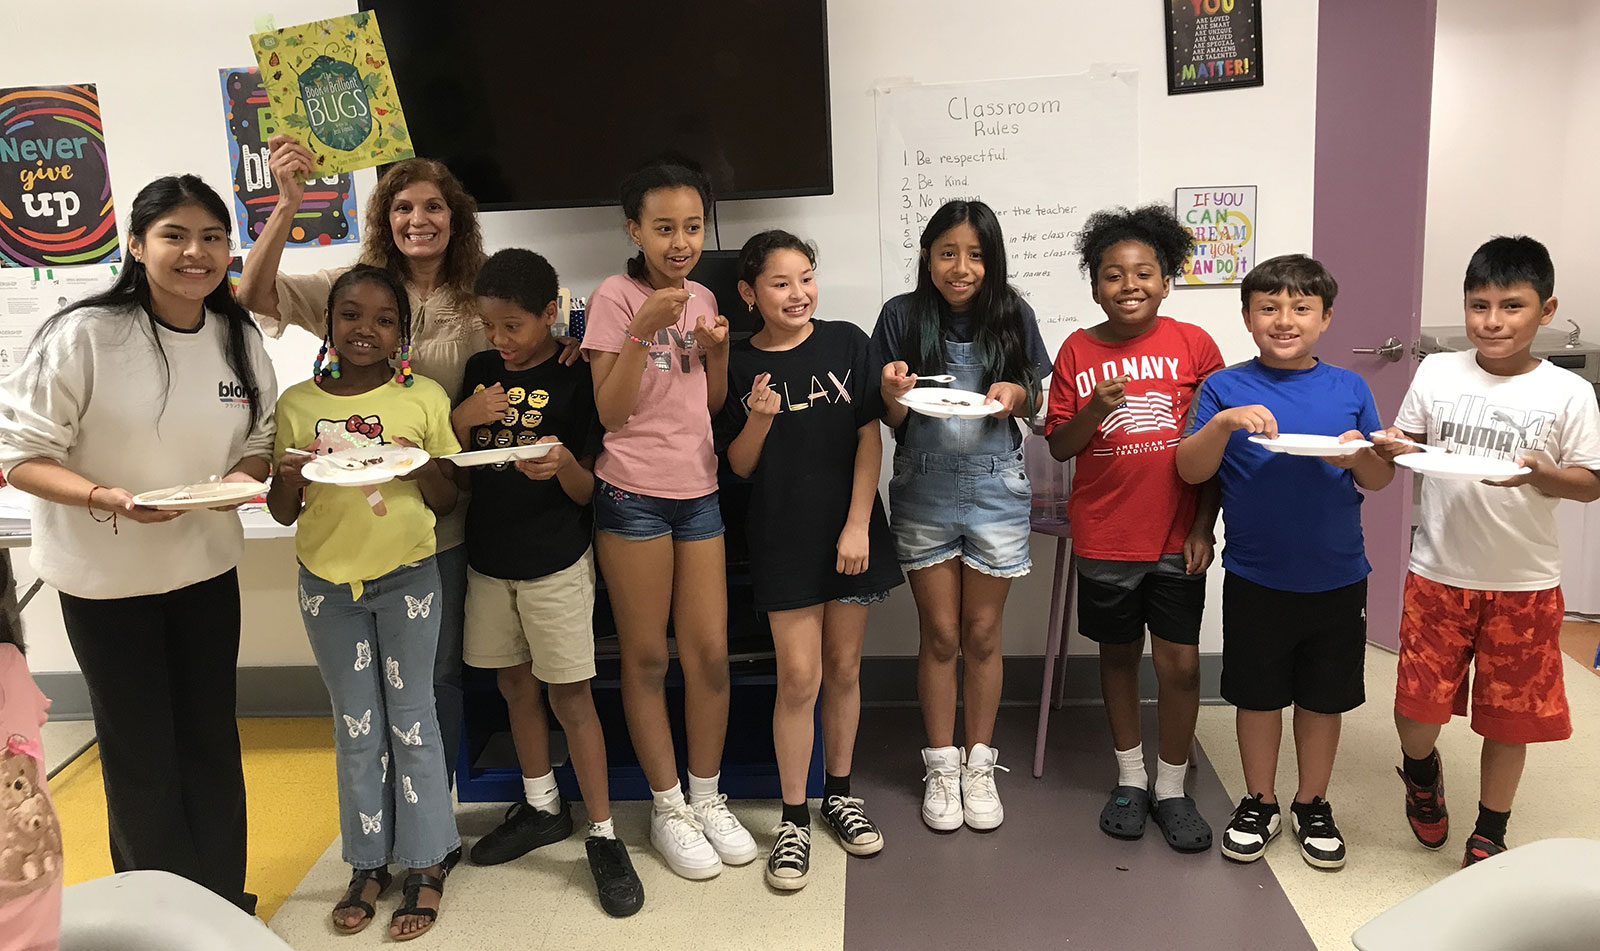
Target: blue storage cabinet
{"x": 487, "y": 770}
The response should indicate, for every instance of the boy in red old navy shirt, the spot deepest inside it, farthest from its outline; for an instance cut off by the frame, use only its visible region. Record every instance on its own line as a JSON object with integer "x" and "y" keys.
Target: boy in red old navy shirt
{"x": 1143, "y": 538}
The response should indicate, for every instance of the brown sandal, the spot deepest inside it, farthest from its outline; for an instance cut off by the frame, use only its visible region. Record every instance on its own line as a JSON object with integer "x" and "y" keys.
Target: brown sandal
{"x": 359, "y": 878}
{"x": 412, "y": 886}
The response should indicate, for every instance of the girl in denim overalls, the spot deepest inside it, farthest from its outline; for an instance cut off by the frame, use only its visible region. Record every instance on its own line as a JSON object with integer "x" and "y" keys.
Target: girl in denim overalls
{"x": 959, "y": 490}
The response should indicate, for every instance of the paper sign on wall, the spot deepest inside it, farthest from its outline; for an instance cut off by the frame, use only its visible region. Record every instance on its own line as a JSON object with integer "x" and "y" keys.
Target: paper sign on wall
{"x": 1223, "y": 222}
{"x": 55, "y": 186}
{"x": 28, "y": 296}
{"x": 330, "y": 87}
{"x": 1019, "y": 146}
{"x": 327, "y": 214}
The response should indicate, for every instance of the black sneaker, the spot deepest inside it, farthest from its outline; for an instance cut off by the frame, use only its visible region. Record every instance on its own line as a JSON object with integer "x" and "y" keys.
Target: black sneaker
{"x": 1480, "y": 847}
{"x": 1321, "y": 845}
{"x": 621, "y": 893}
{"x": 524, "y": 829}
{"x": 789, "y": 865}
{"x": 1254, "y": 824}
{"x": 858, "y": 834}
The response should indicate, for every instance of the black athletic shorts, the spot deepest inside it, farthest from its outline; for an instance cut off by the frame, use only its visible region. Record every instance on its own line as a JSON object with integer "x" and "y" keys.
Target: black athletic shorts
{"x": 1169, "y": 605}
{"x": 1282, "y": 648}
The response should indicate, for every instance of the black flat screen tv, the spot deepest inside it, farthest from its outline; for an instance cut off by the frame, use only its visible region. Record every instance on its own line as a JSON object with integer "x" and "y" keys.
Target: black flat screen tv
{"x": 540, "y": 104}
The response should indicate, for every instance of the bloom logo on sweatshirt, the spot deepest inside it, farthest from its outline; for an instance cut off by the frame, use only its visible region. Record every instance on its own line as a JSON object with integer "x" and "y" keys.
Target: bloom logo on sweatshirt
{"x": 231, "y": 393}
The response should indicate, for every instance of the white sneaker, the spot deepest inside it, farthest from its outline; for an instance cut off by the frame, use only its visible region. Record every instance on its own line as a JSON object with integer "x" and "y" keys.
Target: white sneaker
{"x": 941, "y": 792}
{"x": 676, "y": 835}
{"x": 732, "y": 842}
{"x": 980, "y": 801}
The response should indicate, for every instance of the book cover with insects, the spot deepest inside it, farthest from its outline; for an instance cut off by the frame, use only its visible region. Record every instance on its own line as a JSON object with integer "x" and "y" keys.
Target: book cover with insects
{"x": 328, "y": 85}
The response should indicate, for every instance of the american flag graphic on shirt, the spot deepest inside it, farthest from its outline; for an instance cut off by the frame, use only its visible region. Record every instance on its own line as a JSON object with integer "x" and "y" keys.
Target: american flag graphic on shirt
{"x": 1151, "y": 412}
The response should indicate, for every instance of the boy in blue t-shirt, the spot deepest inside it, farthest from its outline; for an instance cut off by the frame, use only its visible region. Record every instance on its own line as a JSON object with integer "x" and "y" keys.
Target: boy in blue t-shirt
{"x": 530, "y": 578}
{"x": 1294, "y": 618}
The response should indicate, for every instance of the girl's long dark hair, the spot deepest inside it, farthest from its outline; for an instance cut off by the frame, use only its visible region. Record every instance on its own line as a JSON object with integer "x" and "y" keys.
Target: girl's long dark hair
{"x": 132, "y": 285}
{"x": 996, "y": 311}
{"x": 10, "y": 613}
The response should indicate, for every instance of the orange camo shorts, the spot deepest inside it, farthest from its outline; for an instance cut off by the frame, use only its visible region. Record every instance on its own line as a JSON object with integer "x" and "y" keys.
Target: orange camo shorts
{"x": 1510, "y": 639}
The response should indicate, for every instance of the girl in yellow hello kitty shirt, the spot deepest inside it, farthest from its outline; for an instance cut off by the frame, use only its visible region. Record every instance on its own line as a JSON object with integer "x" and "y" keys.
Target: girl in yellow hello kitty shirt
{"x": 368, "y": 583}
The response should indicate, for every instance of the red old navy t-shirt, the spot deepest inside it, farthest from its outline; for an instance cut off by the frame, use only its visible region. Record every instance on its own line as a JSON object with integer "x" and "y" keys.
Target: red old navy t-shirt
{"x": 1127, "y": 501}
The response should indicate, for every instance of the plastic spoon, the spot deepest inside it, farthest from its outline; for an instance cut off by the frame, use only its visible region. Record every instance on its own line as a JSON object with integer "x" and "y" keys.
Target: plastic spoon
{"x": 941, "y": 378}
{"x": 1420, "y": 445}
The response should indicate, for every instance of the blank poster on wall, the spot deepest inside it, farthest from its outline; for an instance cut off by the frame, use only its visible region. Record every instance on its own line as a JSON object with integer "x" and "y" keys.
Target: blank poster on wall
{"x": 1019, "y": 146}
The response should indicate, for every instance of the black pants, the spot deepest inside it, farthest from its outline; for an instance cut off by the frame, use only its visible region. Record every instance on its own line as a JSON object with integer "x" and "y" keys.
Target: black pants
{"x": 161, "y": 673}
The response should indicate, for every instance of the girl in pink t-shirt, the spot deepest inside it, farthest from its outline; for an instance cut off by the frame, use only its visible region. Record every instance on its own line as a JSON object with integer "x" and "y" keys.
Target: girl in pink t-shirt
{"x": 30, "y": 836}
{"x": 659, "y": 352}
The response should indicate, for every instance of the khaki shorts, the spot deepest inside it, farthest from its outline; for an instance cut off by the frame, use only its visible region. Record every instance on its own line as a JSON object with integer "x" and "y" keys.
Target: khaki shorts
{"x": 548, "y": 621}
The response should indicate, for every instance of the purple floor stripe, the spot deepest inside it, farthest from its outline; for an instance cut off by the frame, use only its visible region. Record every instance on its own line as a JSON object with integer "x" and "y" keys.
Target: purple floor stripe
{"x": 1048, "y": 878}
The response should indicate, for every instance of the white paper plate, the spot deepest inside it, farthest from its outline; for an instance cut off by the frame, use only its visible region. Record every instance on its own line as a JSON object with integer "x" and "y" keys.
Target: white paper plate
{"x": 488, "y": 457}
{"x": 1454, "y": 465}
{"x": 1305, "y": 444}
{"x": 206, "y": 495}
{"x": 942, "y": 402}
{"x": 379, "y": 464}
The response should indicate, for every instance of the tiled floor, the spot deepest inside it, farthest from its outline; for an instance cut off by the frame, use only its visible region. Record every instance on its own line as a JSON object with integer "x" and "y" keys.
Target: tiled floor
{"x": 1386, "y": 864}
{"x": 64, "y": 740}
{"x": 546, "y": 899}
{"x": 1048, "y": 877}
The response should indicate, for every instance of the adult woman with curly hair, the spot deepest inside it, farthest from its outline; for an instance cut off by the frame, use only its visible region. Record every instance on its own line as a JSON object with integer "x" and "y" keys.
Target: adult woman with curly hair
{"x": 421, "y": 226}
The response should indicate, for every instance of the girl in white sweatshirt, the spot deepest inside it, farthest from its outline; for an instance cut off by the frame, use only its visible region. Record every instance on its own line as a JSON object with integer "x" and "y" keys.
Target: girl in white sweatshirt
{"x": 160, "y": 380}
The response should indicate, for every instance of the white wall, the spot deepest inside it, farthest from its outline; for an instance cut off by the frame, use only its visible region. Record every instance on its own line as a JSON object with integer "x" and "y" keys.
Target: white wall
{"x": 1512, "y": 148}
{"x": 156, "y": 71}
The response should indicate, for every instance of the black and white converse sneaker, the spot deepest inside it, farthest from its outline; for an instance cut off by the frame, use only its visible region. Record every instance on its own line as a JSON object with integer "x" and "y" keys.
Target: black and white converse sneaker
{"x": 858, "y": 834}
{"x": 789, "y": 865}
{"x": 1254, "y": 824}
{"x": 1321, "y": 845}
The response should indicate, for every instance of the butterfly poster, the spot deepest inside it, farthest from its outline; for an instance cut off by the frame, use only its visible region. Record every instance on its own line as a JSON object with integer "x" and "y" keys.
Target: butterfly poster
{"x": 328, "y": 84}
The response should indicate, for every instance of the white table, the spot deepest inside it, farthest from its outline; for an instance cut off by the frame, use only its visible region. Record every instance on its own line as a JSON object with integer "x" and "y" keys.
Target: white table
{"x": 257, "y": 521}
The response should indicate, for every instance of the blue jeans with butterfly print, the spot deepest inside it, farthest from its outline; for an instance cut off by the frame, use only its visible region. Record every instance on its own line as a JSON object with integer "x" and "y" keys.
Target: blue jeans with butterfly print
{"x": 376, "y": 655}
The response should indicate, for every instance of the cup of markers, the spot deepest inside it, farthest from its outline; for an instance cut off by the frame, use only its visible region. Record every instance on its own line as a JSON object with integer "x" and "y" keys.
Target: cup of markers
{"x": 575, "y": 318}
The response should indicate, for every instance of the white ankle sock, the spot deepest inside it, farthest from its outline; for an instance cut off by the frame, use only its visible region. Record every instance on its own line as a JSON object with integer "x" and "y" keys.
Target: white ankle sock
{"x": 666, "y": 800}
{"x": 541, "y": 793}
{"x": 602, "y": 830}
{"x": 703, "y": 788}
{"x": 1130, "y": 768}
{"x": 1169, "y": 779}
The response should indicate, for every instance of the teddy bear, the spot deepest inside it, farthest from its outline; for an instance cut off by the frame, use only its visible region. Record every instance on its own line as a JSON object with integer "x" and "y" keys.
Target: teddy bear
{"x": 30, "y": 836}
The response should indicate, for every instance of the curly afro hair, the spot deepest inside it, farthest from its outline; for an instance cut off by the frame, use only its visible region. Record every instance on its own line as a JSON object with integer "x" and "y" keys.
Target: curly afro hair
{"x": 1154, "y": 225}
{"x": 520, "y": 276}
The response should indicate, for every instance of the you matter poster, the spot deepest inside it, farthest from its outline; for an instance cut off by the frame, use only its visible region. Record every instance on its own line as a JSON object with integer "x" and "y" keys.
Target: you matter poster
{"x": 55, "y": 184}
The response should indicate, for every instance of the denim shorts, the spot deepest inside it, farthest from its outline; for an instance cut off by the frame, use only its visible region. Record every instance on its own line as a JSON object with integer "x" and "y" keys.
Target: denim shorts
{"x": 973, "y": 506}
{"x": 643, "y": 517}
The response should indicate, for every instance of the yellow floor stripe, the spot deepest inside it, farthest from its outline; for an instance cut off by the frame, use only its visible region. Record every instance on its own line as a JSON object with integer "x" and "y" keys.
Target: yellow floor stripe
{"x": 293, "y": 803}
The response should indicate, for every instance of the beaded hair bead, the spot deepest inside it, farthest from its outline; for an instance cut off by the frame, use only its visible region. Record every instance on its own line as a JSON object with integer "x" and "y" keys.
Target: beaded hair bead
{"x": 404, "y": 375}
{"x": 332, "y": 355}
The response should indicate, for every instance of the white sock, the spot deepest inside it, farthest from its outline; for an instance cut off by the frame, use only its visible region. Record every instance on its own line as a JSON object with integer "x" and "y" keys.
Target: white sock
{"x": 541, "y": 793}
{"x": 1169, "y": 779}
{"x": 666, "y": 800}
{"x": 1130, "y": 768}
{"x": 602, "y": 830}
{"x": 703, "y": 788}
